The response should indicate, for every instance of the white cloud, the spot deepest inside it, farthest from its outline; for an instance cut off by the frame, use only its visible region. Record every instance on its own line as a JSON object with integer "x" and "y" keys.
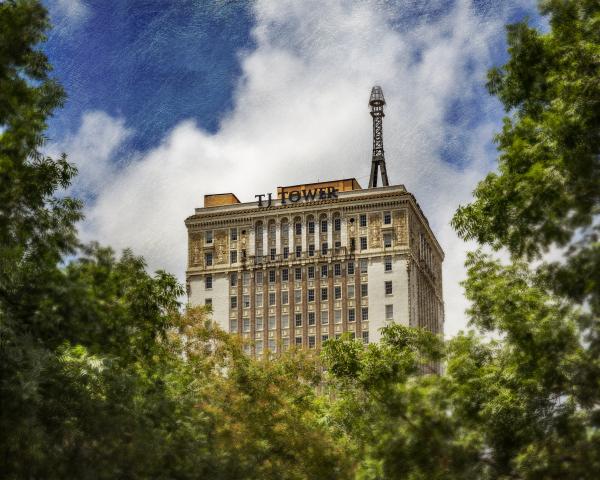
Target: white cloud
{"x": 67, "y": 14}
{"x": 300, "y": 114}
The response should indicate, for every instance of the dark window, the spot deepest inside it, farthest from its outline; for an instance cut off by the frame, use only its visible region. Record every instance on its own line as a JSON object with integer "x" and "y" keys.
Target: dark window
{"x": 298, "y": 229}
{"x": 311, "y": 318}
{"x": 273, "y": 253}
{"x": 208, "y": 259}
{"x": 233, "y": 279}
{"x": 351, "y": 315}
{"x": 298, "y": 251}
{"x": 364, "y": 313}
{"x": 271, "y": 276}
{"x": 298, "y": 273}
{"x": 388, "y": 264}
{"x": 364, "y": 289}
{"x": 311, "y": 227}
{"x": 233, "y": 301}
{"x": 337, "y": 224}
{"x": 365, "y": 336}
{"x": 208, "y": 282}
{"x": 311, "y": 272}
{"x": 388, "y": 287}
{"x": 311, "y": 250}
{"x": 286, "y": 252}
{"x": 363, "y": 220}
{"x": 233, "y": 234}
{"x": 324, "y": 248}
{"x": 387, "y": 218}
{"x": 285, "y": 275}
{"x": 350, "y": 268}
{"x": 324, "y": 293}
{"x": 363, "y": 243}
{"x": 337, "y": 292}
{"x": 323, "y": 226}
{"x": 311, "y": 341}
{"x": 298, "y": 320}
{"x": 311, "y": 294}
{"x": 337, "y": 269}
{"x": 233, "y": 256}
{"x": 323, "y": 271}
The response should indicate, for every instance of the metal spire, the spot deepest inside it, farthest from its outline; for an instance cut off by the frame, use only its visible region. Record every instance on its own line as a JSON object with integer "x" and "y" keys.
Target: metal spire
{"x": 376, "y": 103}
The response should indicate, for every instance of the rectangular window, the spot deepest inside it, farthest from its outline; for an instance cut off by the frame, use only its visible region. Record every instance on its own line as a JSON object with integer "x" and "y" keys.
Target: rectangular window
{"x": 246, "y": 279}
{"x": 246, "y": 324}
{"x": 323, "y": 226}
{"x": 350, "y": 291}
{"x": 337, "y": 316}
{"x": 337, "y": 269}
{"x": 233, "y": 234}
{"x": 233, "y": 324}
{"x": 233, "y": 256}
{"x": 285, "y": 297}
{"x": 311, "y": 318}
{"x": 273, "y": 253}
{"x": 387, "y": 240}
{"x": 311, "y": 294}
{"x": 233, "y": 301}
{"x": 208, "y": 282}
{"x": 311, "y": 341}
{"x": 259, "y": 347}
{"x": 352, "y": 335}
{"x": 350, "y": 268}
{"x": 323, "y": 271}
{"x": 285, "y": 344}
{"x": 298, "y": 273}
{"x": 338, "y": 244}
{"x": 298, "y": 320}
{"x": 298, "y": 251}
{"x": 272, "y": 322}
{"x": 208, "y": 259}
{"x": 246, "y": 301}
{"x": 365, "y": 336}
{"x": 259, "y": 278}
{"x": 364, "y": 314}
{"x": 298, "y": 342}
{"x": 324, "y": 338}
{"x": 311, "y": 227}
{"x": 388, "y": 287}
{"x": 286, "y": 252}
{"x": 208, "y": 301}
{"x": 388, "y": 264}
{"x": 364, "y": 289}
{"x": 324, "y": 317}
{"x": 272, "y": 345}
{"x": 351, "y": 315}
{"x": 389, "y": 312}
{"x": 259, "y": 324}
{"x": 285, "y": 275}
{"x": 324, "y": 248}
{"x": 259, "y": 300}
{"x": 311, "y": 272}
{"x": 271, "y": 276}
{"x": 297, "y": 296}
{"x": 285, "y": 321}
{"x": 324, "y": 294}
{"x": 363, "y": 220}
{"x": 298, "y": 228}
{"x": 208, "y": 237}
{"x": 271, "y": 298}
{"x": 387, "y": 218}
{"x": 337, "y": 292}
{"x": 364, "y": 265}
{"x": 337, "y": 224}
{"x": 363, "y": 243}
{"x": 311, "y": 250}
{"x": 233, "y": 279}
{"x": 285, "y": 230}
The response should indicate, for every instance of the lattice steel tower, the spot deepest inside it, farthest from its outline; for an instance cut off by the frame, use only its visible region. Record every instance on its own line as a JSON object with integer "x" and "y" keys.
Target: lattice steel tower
{"x": 377, "y": 102}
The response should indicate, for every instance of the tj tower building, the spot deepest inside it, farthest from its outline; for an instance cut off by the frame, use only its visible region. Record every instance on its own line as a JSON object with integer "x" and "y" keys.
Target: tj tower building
{"x": 317, "y": 260}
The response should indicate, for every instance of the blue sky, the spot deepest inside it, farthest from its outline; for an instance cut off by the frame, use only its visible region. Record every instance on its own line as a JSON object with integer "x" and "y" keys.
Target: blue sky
{"x": 172, "y": 100}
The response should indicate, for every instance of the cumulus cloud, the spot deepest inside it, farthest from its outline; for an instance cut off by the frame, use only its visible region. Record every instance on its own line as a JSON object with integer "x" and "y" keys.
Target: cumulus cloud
{"x": 300, "y": 114}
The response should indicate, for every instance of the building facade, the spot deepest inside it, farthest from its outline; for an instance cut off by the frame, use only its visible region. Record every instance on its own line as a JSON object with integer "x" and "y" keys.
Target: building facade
{"x": 314, "y": 262}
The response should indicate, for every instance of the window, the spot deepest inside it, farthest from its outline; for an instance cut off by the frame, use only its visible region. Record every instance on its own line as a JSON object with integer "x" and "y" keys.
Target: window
{"x": 352, "y": 244}
{"x": 259, "y": 324}
{"x": 388, "y": 287}
{"x": 311, "y": 341}
{"x": 286, "y": 252}
{"x": 337, "y": 292}
{"x": 364, "y": 265}
{"x": 208, "y": 301}
{"x": 246, "y": 279}
{"x": 338, "y": 244}
{"x": 311, "y": 227}
{"x": 337, "y": 224}
{"x": 233, "y": 301}
{"x": 271, "y": 298}
{"x": 324, "y": 248}
{"x": 363, "y": 243}
{"x": 259, "y": 278}
{"x": 208, "y": 259}
{"x": 246, "y": 301}
{"x": 271, "y": 276}
{"x": 387, "y": 218}
{"x": 285, "y": 297}
{"x": 364, "y": 313}
{"x": 323, "y": 226}
{"x": 273, "y": 253}
{"x": 298, "y": 228}
{"x": 362, "y": 220}
{"x": 365, "y": 336}
{"x": 272, "y": 322}
{"x": 259, "y": 300}
{"x": 285, "y": 275}
{"x": 324, "y": 317}
{"x": 311, "y": 250}
{"x": 387, "y": 240}
{"x": 233, "y": 256}
{"x": 298, "y": 251}
{"x": 337, "y": 316}
{"x": 337, "y": 269}
{"x": 208, "y": 282}
{"x": 233, "y": 234}
{"x": 259, "y": 347}
{"x": 297, "y": 296}
{"x": 389, "y": 312}
{"x": 246, "y": 324}
{"x": 208, "y": 237}
{"x": 324, "y": 294}
{"x": 285, "y": 229}
{"x": 285, "y": 321}
{"x": 311, "y": 318}
{"x": 298, "y": 273}
{"x": 350, "y": 291}
{"x": 352, "y": 335}
{"x": 350, "y": 268}
{"x": 272, "y": 345}
{"x": 351, "y": 315}
{"x": 311, "y": 272}
{"x": 388, "y": 264}
{"x": 285, "y": 344}
{"x": 324, "y": 338}
{"x": 323, "y": 271}
{"x": 233, "y": 279}
{"x": 233, "y": 324}
{"x": 298, "y": 320}
{"x": 311, "y": 294}
{"x": 298, "y": 342}
{"x": 364, "y": 289}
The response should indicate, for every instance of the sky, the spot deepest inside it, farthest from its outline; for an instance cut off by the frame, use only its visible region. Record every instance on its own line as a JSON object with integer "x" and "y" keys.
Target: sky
{"x": 169, "y": 101}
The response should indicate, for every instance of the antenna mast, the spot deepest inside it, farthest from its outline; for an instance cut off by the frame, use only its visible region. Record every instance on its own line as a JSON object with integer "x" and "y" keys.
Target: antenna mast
{"x": 376, "y": 102}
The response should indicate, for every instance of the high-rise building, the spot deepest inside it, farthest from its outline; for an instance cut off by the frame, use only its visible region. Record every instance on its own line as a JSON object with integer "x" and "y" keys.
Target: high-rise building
{"x": 317, "y": 260}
